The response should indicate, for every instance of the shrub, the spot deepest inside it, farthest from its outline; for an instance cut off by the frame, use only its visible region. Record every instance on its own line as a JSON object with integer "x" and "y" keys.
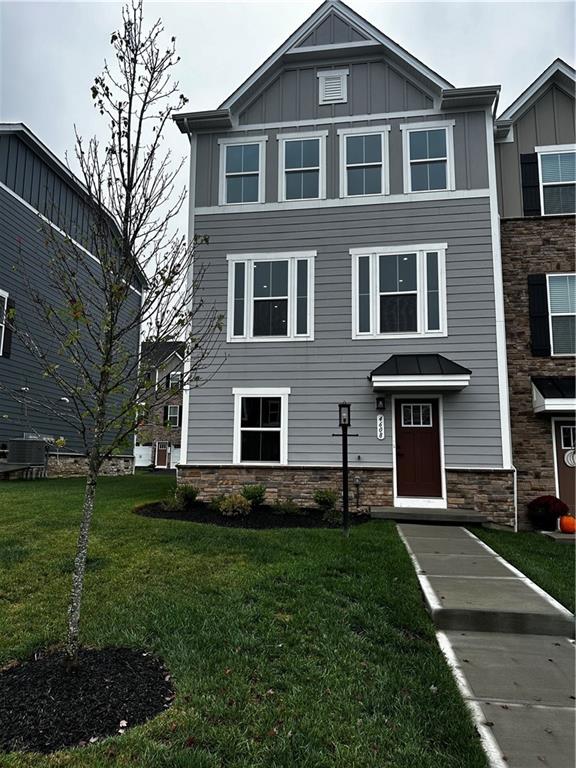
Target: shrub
{"x": 172, "y": 504}
{"x": 326, "y": 499}
{"x": 544, "y": 512}
{"x": 286, "y": 506}
{"x": 186, "y": 495}
{"x": 255, "y": 494}
{"x": 332, "y": 516}
{"x": 234, "y": 505}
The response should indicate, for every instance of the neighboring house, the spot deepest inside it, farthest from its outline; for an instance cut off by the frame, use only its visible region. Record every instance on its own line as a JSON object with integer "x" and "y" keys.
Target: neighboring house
{"x": 158, "y": 437}
{"x": 36, "y": 191}
{"x": 536, "y": 164}
{"x": 349, "y": 196}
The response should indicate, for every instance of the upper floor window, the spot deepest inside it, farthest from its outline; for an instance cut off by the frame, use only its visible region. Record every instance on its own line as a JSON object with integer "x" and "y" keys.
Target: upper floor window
{"x": 271, "y": 296}
{"x": 562, "y": 313}
{"x": 399, "y": 291}
{"x": 557, "y": 173}
{"x": 363, "y": 161}
{"x": 428, "y": 151}
{"x": 302, "y": 172}
{"x": 333, "y": 86}
{"x": 175, "y": 380}
{"x": 242, "y": 170}
{"x": 3, "y": 310}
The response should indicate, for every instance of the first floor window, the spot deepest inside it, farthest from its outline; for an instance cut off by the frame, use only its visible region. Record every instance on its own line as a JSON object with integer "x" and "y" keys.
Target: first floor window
{"x": 557, "y": 180}
{"x": 242, "y": 167}
{"x": 261, "y": 426}
{"x": 302, "y": 167}
{"x": 562, "y": 308}
{"x": 428, "y": 157}
{"x": 271, "y": 296}
{"x": 400, "y": 291}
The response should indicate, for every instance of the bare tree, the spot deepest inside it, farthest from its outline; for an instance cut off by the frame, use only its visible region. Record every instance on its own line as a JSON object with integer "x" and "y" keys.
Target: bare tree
{"x": 128, "y": 225}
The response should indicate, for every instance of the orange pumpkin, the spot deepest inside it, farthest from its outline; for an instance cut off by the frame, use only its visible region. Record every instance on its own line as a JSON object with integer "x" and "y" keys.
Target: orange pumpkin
{"x": 568, "y": 524}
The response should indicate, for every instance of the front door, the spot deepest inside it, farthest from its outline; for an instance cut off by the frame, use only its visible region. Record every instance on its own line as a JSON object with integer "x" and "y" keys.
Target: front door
{"x": 418, "y": 462}
{"x": 162, "y": 454}
{"x": 565, "y": 439}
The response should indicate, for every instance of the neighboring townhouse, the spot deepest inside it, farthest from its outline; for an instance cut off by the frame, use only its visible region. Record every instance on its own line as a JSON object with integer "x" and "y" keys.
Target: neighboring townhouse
{"x": 157, "y": 442}
{"x": 536, "y": 170}
{"x": 349, "y": 197}
{"x": 37, "y": 191}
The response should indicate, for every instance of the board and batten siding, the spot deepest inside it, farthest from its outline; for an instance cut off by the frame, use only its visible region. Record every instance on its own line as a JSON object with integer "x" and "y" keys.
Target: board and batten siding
{"x": 550, "y": 120}
{"x": 470, "y": 163}
{"x": 335, "y": 367}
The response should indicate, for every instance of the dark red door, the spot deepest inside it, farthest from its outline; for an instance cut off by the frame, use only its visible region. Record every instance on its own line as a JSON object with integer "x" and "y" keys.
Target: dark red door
{"x": 565, "y": 461}
{"x": 418, "y": 465}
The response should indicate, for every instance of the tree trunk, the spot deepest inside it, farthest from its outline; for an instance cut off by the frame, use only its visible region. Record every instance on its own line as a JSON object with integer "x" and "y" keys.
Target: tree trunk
{"x": 72, "y": 642}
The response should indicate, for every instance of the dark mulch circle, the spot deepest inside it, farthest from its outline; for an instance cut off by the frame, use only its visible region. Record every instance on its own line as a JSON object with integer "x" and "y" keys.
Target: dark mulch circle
{"x": 43, "y": 707}
{"x": 261, "y": 517}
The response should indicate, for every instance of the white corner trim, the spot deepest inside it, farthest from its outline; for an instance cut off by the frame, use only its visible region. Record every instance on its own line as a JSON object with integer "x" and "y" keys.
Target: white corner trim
{"x": 407, "y": 128}
{"x": 235, "y": 141}
{"x": 383, "y": 131}
{"x": 503, "y": 391}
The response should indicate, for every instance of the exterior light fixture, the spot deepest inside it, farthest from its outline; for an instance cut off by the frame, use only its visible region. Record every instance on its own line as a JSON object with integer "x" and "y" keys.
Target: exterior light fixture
{"x": 343, "y": 414}
{"x": 380, "y": 403}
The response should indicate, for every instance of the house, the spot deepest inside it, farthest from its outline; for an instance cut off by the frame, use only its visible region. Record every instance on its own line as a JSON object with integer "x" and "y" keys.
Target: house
{"x": 38, "y": 193}
{"x": 157, "y": 440}
{"x": 350, "y": 201}
{"x": 536, "y": 174}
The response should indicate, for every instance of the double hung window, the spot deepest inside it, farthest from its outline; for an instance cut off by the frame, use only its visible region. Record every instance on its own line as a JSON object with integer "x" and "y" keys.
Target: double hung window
{"x": 173, "y": 416}
{"x": 557, "y": 173}
{"x": 261, "y": 425}
{"x": 242, "y": 170}
{"x": 562, "y": 313}
{"x": 428, "y": 156}
{"x": 302, "y": 166}
{"x": 271, "y": 296}
{"x": 363, "y": 162}
{"x": 399, "y": 291}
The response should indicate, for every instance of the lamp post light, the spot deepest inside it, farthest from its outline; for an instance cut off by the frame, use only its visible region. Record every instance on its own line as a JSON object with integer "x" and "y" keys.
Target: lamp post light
{"x": 344, "y": 423}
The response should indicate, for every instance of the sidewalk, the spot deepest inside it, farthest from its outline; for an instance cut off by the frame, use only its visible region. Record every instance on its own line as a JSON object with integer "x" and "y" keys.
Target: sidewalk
{"x": 507, "y": 642}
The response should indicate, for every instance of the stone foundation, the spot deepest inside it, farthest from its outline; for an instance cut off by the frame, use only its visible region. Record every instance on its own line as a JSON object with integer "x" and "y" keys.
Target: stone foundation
{"x": 76, "y": 465}
{"x": 488, "y": 492}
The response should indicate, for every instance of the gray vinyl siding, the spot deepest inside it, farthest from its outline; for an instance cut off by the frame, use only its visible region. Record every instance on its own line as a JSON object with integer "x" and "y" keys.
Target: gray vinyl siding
{"x": 549, "y": 120}
{"x": 334, "y": 367}
{"x": 374, "y": 86}
{"x": 22, "y": 242}
{"x": 470, "y": 155}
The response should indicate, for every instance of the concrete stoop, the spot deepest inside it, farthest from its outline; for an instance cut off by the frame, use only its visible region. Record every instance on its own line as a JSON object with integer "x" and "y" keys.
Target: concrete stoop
{"x": 507, "y": 642}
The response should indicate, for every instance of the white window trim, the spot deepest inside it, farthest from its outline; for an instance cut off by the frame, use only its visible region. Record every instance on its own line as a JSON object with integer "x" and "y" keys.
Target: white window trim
{"x": 282, "y": 139}
{"x": 552, "y": 150}
{"x": 223, "y": 143}
{"x": 4, "y": 295}
{"x": 556, "y": 314}
{"x": 406, "y": 129}
{"x": 384, "y": 131}
{"x": 322, "y": 75}
{"x": 249, "y": 258}
{"x": 282, "y": 393}
{"x": 177, "y": 408}
{"x": 421, "y": 250}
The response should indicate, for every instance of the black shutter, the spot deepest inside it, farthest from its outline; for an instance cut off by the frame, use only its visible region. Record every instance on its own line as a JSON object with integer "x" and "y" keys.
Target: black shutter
{"x": 530, "y": 185}
{"x": 7, "y": 343}
{"x": 165, "y": 415}
{"x": 538, "y": 306}
{"x": 168, "y": 381}
{"x": 179, "y": 415}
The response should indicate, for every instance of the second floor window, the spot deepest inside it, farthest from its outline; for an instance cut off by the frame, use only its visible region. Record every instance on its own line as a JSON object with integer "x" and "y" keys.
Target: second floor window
{"x": 557, "y": 180}
{"x": 302, "y": 167}
{"x": 399, "y": 292}
{"x": 175, "y": 380}
{"x": 562, "y": 309}
{"x": 242, "y": 169}
{"x": 271, "y": 297}
{"x": 363, "y": 159}
{"x": 428, "y": 157}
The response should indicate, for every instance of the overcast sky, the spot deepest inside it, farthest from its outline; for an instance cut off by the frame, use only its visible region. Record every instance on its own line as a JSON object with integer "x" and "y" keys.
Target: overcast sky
{"x": 51, "y": 51}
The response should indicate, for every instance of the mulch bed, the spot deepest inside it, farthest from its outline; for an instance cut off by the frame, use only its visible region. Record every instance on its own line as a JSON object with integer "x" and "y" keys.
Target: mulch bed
{"x": 43, "y": 707}
{"x": 261, "y": 517}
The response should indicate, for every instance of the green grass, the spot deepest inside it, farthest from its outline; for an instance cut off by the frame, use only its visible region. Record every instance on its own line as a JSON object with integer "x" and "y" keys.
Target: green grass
{"x": 549, "y": 564}
{"x": 288, "y": 648}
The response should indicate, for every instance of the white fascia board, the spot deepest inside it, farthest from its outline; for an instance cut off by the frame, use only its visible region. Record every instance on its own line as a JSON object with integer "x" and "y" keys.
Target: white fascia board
{"x": 543, "y": 404}
{"x": 412, "y": 383}
{"x": 523, "y": 101}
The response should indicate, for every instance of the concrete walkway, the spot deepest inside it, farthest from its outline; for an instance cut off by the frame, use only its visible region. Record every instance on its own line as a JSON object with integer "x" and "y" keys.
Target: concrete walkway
{"x": 508, "y": 643}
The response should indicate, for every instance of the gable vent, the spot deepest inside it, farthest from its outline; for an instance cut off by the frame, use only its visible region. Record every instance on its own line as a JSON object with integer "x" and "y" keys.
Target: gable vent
{"x": 333, "y": 86}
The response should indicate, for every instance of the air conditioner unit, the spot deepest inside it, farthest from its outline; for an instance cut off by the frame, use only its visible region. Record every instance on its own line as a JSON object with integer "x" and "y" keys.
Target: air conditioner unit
{"x": 28, "y": 452}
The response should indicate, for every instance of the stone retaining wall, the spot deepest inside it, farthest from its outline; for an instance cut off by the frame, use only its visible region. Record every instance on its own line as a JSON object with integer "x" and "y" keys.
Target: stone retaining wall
{"x": 76, "y": 465}
{"x": 488, "y": 492}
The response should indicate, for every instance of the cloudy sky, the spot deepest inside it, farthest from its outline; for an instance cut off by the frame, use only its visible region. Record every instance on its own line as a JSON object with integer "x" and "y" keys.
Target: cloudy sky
{"x": 51, "y": 51}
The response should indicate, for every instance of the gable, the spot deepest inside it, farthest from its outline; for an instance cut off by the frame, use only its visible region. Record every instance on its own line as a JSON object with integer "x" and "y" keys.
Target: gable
{"x": 333, "y": 30}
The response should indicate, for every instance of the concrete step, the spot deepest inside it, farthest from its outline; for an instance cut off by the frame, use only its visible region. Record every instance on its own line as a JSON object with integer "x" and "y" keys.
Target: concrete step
{"x": 404, "y": 514}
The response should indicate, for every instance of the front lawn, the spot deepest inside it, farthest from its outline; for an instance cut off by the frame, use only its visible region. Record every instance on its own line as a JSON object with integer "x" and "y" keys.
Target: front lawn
{"x": 288, "y": 648}
{"x": 548, "y": 564}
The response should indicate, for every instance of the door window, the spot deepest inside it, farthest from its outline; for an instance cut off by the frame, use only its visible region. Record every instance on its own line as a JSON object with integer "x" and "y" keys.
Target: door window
{"x": 416, "y": 415}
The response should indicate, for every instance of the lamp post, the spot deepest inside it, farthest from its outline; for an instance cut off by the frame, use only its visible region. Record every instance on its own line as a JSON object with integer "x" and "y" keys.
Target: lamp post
{"x": 344, "y": 423}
